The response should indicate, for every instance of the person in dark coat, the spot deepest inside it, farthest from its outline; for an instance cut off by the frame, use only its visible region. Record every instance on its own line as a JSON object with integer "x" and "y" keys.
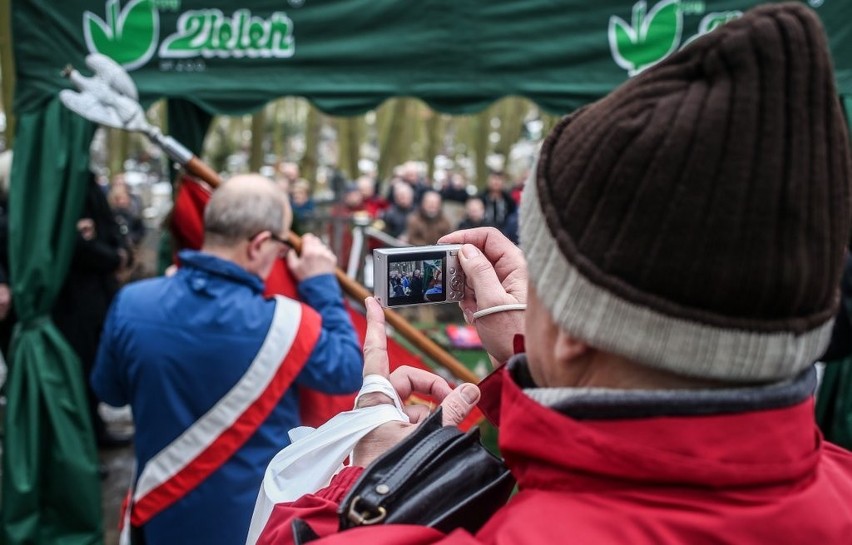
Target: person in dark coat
{"x": 474, "y": 215}
{"x": 499, "y": 204}
{"x": 80, "y": 311}
{"x": 396, "y": 217}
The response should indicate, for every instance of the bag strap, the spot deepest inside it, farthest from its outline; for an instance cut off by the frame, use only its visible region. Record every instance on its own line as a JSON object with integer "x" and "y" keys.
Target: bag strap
{"x": 364, "y": 503}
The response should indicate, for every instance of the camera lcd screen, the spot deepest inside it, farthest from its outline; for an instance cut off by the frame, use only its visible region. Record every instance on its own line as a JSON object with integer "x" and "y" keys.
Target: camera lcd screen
{"x": 422, "y": 280}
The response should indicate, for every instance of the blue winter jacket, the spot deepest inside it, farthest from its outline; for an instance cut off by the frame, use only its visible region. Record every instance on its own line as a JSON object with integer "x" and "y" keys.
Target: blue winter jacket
{"x": 172, "y": 347}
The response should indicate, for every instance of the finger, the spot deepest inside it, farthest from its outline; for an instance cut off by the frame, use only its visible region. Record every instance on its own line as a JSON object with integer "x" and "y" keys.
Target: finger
{"x": 458, "y": 405}
{"x": 293, "y": 261}
{"x": 375, "y": 341}
{"x": 417, "y": 413}
{"x": 478, "y": 237}
{"x": 407, "y": 380}
{"x": 481, "y": 276}
{"x": 309, "y": 245}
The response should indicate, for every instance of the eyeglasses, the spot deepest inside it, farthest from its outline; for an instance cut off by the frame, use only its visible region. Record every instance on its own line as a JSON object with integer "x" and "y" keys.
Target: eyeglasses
{"x": 286, "y": 246}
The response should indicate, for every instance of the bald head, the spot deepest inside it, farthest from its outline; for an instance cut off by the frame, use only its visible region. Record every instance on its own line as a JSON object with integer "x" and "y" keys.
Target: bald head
{"x": 242, "y": 207}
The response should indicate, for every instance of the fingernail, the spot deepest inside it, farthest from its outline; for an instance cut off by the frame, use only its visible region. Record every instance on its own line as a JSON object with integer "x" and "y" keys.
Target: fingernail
{"x": 468, "y": 316}
{"x": 470, "y": 251}
{"x": 469, "y": 393}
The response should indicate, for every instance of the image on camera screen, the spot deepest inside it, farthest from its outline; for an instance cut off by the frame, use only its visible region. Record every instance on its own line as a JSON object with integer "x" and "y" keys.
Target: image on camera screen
{"x": 413, "y": 282}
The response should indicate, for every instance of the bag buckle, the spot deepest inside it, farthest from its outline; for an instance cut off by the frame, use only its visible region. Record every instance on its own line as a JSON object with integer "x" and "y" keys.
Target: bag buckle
{"x": 365, "y": 518}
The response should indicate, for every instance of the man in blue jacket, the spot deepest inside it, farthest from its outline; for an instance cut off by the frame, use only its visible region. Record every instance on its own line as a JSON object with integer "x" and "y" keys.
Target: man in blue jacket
{"x": 207, "y": 364}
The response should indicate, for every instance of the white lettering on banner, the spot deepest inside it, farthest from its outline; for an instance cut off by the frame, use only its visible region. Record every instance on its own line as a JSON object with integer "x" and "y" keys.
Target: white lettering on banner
{"x": 210, "y": 33}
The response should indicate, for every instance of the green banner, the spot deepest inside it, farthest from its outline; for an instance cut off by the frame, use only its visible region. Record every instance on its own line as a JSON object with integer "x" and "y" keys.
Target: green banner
{"x": 347, "y": 56}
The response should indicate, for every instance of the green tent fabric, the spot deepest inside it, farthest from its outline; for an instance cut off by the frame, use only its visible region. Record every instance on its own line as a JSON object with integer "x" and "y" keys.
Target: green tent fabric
{"x": 834, "y": 403}
{"x": 347, "y": 56}
{"x": 51, "y": 489}
{"x": 188, "y": 124}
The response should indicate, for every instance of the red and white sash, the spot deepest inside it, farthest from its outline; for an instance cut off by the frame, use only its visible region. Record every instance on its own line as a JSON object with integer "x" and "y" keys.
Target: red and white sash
{"x": 211, "y": 441}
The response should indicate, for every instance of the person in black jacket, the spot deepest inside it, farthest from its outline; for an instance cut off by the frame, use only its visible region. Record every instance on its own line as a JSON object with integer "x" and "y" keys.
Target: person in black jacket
{"x": 499, "y": 204}
{"x": 83, "y": 302}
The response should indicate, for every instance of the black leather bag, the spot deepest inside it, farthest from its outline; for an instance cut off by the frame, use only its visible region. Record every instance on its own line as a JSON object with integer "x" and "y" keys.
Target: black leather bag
{"x": 437, "y": 477}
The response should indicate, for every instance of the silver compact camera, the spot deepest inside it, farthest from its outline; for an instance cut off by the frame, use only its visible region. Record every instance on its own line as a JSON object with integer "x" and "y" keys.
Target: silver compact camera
{"x": 418, "y": 275}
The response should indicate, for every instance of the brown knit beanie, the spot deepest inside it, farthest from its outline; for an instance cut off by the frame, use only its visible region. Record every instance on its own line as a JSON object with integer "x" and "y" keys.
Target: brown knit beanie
{"x": 695, "y": 219}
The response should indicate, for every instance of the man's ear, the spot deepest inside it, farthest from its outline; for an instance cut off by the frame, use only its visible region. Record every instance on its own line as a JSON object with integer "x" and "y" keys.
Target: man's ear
{"x": 254, "y": 246}
{"x": 568, "y": 348}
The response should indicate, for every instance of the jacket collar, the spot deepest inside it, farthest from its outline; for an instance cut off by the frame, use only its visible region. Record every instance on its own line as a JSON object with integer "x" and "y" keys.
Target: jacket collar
{"x": 546, "y": 448}
{"x": 210, "y": 264}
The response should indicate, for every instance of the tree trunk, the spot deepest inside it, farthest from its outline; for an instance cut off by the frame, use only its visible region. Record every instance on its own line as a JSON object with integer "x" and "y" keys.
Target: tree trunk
{"x": 393, "y": 142}
{"x": 258, "y": 122}
{"x": 278, "y": 136}
{"x": 512, "y": 113}
{"x": 7, "y": 69}
{"x": 118, "y": 150}
{"x": 482, "y": 146}
{"x": 435, "y": 143}
{"x": 349, "y": 145}
{"x": 309, "y": 163}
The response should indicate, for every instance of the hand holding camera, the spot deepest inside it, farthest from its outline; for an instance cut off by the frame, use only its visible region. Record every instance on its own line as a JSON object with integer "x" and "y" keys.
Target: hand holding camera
{"x": 496, "y": 275}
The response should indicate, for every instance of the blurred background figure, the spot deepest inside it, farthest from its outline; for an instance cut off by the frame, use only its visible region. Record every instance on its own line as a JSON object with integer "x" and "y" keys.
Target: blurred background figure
{"x": 428, "y": 223}
{"x": 340, "y": 226}
{"x": 409, "y": 174}
{"x": 120, "y": 181}
{"x": 302, "y": 203}
{"x": 128, "y": 218}
{"x": 455, "y": 188}
{"x": 518, "y": 188}
{"x": 287, "y": 174}
{"x": 474, "y": 215}
{"x": 396, "y": 216}
{"x": 499, "y": 204}
{"x": 374, "y": 204}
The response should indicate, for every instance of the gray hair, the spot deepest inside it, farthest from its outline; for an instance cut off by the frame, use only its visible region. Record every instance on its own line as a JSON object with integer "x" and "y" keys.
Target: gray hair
{"x": 243, "y": 207}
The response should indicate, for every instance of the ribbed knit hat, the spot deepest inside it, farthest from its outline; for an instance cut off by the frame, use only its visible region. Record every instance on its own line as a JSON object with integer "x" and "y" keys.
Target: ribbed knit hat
{"x": 695, "y": 219}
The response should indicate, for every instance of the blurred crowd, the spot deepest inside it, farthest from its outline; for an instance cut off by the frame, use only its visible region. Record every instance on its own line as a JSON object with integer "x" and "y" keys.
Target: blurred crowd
{"x": 409, "y": 206}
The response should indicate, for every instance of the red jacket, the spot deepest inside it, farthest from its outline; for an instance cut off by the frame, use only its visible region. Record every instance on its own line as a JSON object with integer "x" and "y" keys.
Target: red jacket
{"x": 756, "y": 478}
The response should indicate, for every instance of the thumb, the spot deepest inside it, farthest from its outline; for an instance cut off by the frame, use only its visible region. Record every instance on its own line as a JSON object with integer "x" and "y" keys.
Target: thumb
{"x": 375, "y": 340}
{"x": 481, "y": 277}
{"x": 459, "y": 403}
{"x": 293, "y": 260}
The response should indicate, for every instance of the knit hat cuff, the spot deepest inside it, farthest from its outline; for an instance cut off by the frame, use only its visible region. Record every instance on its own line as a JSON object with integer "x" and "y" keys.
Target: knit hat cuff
{"x": 611, "y": 323}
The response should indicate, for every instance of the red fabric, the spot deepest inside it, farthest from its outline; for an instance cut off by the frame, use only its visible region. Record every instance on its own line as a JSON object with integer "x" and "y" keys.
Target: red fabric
{"x": 224, "y": 446}
{"x": 375, "y": 205}
{"x": 188, "y": 213}
{"x": 315, "y": 407}
{"x": 738, "y": 479}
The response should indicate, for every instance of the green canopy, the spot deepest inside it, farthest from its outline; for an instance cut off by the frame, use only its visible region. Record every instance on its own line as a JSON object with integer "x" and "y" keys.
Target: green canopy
{"x": 346, "y": 56}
